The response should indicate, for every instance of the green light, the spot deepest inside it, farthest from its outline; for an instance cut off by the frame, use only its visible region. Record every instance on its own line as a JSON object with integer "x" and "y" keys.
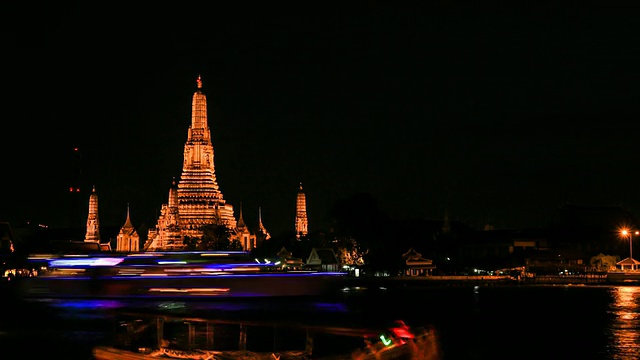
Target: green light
{"x": 385, "y": 341}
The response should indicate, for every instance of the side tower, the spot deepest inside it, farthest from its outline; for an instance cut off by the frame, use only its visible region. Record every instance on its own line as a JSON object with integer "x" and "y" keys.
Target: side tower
{"x": 247, "y": 240}
{"x": 167, "y": 234}
{"x": 302, "y": 224}
{"x": 200, "y": 201}
{"x": 93, "y": 222}
{"x": 128, "y": 239}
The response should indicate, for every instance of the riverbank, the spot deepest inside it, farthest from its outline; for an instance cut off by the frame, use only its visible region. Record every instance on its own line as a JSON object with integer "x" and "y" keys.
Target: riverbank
{"x": 487, "y": 280}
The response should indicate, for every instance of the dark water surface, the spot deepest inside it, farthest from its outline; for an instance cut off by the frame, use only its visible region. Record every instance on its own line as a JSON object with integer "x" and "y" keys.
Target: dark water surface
{"x": 495, "y": 322}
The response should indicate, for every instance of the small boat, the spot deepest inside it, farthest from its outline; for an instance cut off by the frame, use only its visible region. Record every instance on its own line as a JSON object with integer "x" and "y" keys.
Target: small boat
{"x": 161, "y": 336}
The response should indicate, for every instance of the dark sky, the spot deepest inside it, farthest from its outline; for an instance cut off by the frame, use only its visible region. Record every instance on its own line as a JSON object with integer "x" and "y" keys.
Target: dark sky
{"x": 496, "y": 113}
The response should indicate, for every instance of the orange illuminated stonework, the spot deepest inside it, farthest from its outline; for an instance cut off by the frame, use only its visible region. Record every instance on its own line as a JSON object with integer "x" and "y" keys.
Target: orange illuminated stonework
{"x": 93, "y": 221}
{"x": 128, "y": 239}
{"x": 92, "y": 234}
{"x": 199, "y": 199}
{"x": 196, "y": 200}
{"x": 302, "y": 224}
{"x": 167, "y": 235}
{"x": 244, "y": 235}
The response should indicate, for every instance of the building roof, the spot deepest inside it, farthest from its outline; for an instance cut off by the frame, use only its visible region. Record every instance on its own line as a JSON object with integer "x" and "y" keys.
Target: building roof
{"x": 284, "y": 254}
{"x": 415, "y": 259}
{"x": 412, "y": 254}
{"x": 322, "y": 256}
{"x": 628, "y": 261}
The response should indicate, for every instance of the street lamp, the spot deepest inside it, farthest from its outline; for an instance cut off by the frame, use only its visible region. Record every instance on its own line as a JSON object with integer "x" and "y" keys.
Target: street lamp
{"x": 625, "y": 233}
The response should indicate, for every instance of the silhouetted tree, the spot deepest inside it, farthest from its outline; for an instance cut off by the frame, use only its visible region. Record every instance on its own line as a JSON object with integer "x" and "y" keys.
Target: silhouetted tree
{"x": 216, "y": 237}
{"x": 360, "y": 226}
{"x": 235, "y": 245}
{"x": 269, "y": 248}
{"x": 191, "y": 243}
{"x": 603, "y": 262}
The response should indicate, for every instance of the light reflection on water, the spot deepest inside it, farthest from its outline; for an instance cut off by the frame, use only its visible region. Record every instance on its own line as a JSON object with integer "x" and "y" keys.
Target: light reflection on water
{"x": 88, "y": 323}
{"x": 92, "y": 305}
{"x": 595, "y": 322}
{"x": 625, "y": 327}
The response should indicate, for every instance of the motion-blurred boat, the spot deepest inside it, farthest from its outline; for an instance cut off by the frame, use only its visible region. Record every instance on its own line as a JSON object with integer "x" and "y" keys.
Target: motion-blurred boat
{"x": 171, "y": 275}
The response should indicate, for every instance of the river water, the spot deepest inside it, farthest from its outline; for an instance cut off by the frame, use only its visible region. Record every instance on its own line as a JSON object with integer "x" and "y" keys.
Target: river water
{"x": 469, "y": 322}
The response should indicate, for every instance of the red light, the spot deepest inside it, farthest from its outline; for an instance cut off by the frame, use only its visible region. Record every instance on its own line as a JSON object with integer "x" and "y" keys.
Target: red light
{"x": 77, "y": 189}
{"x": 71, "y": 189}
{"x": 401, "y": 330}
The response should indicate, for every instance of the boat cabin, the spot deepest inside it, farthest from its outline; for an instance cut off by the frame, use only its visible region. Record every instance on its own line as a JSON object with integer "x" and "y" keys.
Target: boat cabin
{"x": 323, "y": 260}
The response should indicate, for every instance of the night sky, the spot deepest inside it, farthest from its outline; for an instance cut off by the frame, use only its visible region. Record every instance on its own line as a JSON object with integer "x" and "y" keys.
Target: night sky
{"x": 496, "y": 114}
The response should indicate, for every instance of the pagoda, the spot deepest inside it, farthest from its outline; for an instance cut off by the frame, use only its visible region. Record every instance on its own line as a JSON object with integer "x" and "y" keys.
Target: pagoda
{"x": 195, "y": 200}
{"x": 302, "y": 224}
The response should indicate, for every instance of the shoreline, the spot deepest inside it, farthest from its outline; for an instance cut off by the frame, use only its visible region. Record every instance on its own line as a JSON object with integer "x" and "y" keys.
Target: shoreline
{"x": 488, "y": 280}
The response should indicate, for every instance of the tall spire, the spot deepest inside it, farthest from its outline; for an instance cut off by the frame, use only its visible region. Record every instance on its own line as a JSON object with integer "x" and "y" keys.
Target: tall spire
{"x": 302, "y": 224}
{"x": 127, "y": 223}
{"x": 195, "y": 200}
{"x": 199, "y": 199}
{"x": 199, "y": 129}
{"x": 93, "y": 222}
{"x": 241, "y": 223}
{"x": 260, "y": 218}
{"x": 261, "y": 227}
{"x": 173, "y": 194}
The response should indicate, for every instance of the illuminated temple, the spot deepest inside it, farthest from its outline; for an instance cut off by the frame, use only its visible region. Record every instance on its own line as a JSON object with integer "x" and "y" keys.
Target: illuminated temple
{"x": 196, "y": 200}
{"x": 93, "y": 221}
{"x": 302, "y": 224}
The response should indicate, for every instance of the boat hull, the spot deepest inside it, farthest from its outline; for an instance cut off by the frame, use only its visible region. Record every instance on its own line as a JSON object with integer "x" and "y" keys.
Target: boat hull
{"x": 245, "y": 286}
